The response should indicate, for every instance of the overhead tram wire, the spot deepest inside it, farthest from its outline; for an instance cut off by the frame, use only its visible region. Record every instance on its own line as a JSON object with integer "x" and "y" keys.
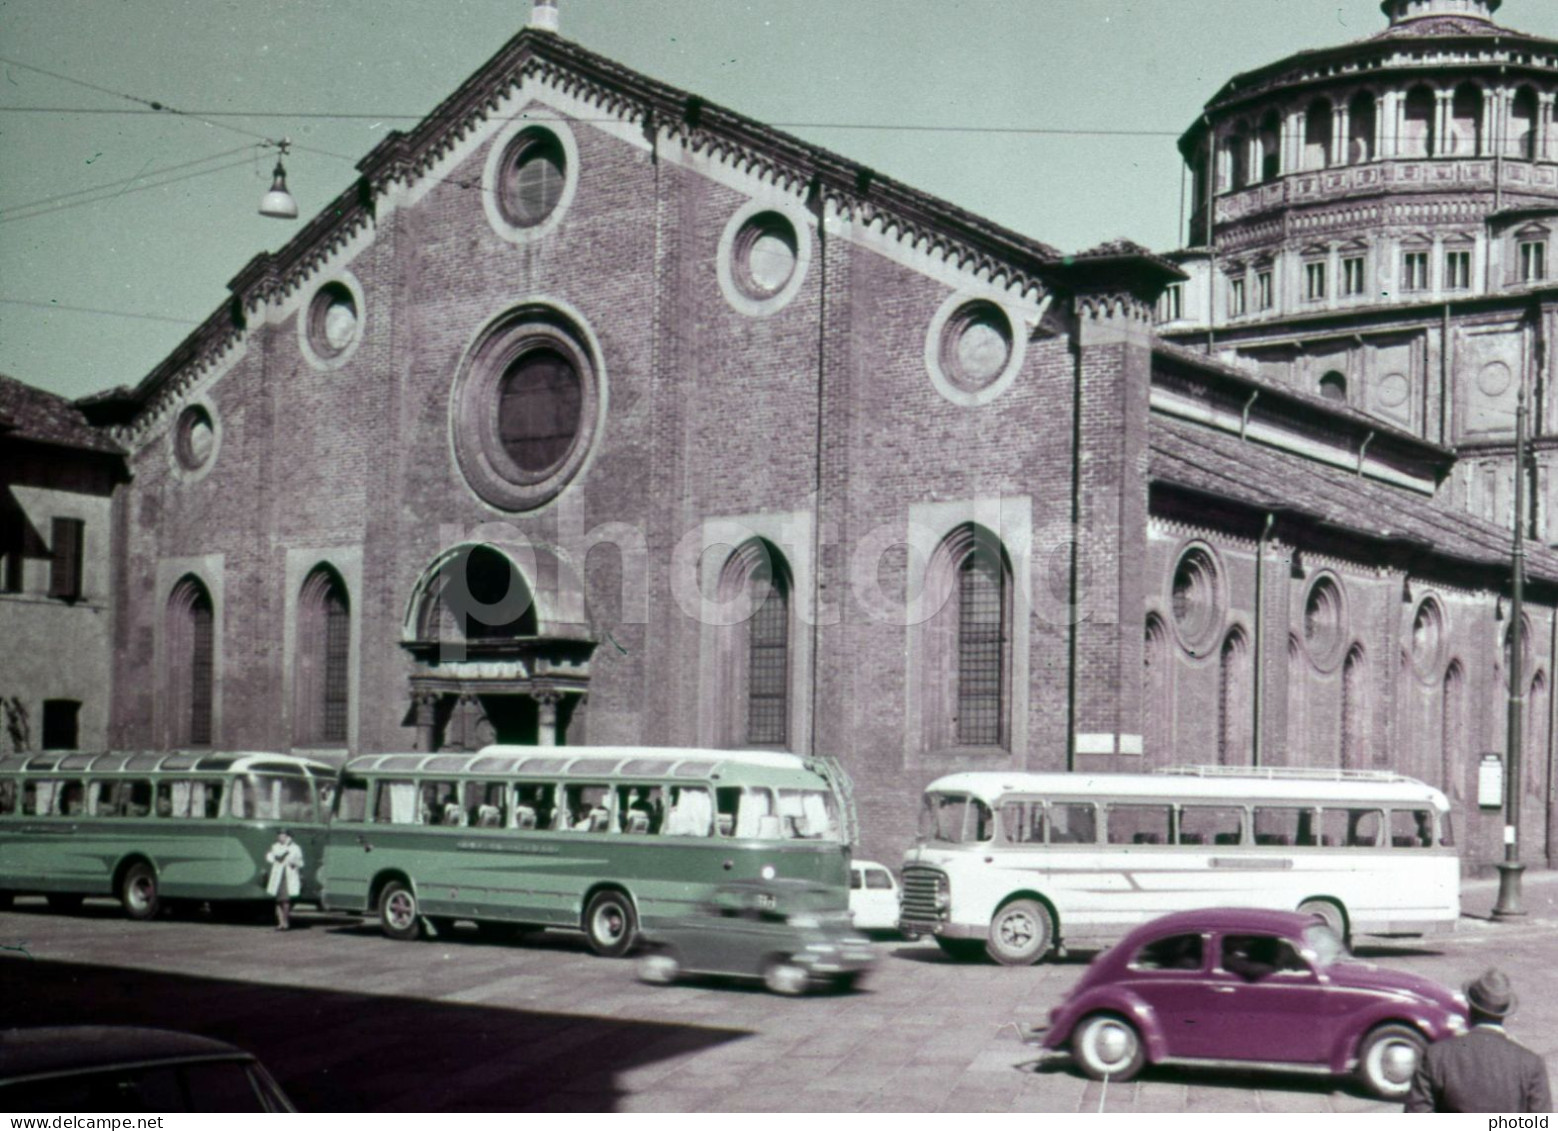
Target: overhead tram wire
{"x": 9, "y": 211}
{"x": 97, "y": 311}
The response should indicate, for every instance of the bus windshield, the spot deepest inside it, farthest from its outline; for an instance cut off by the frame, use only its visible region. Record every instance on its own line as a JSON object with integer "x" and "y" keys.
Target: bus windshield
{"x": 955, "y": 818}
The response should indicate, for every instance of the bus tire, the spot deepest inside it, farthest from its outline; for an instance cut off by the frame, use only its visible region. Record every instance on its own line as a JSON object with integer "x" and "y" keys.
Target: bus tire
{"x": 138, "y": 892}
{"x": 1330, "y": 913}
{"x": 1020, "y": 933}
{"x": 610, "y": 924}
{"x": 399, "y": 916}
{"x": 1106, "y": 1046}
{"x": 1387, "y": 1058}
{"x": 65, "y": 902}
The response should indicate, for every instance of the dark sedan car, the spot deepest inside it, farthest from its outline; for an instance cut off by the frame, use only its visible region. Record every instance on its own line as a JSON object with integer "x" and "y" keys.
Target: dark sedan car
{"x": 125, "y": 1069}
{"x": 1240, "y": 987}
{"x": 790, "y": 933}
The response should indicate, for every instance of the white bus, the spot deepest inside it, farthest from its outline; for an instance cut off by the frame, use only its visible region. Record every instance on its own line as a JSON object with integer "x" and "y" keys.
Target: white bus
{"x": 1015, "y": 863}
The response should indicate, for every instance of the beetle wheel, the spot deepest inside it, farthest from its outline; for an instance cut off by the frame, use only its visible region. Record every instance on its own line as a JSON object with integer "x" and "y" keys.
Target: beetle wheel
{"x": 1108, "y": 1046}
{"x": 782, "y": 976}
{"x": 660, "y": 968}
{"x": 1388, "y": 1057}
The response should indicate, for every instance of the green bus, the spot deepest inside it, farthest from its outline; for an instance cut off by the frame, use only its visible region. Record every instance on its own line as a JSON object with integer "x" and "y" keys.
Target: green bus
{"x": 153, "y": 828}
{"x": 597, "y": 839}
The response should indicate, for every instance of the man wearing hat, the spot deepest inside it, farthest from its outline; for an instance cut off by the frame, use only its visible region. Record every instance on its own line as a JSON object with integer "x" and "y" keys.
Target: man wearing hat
{"x": 1483, "y": 1070}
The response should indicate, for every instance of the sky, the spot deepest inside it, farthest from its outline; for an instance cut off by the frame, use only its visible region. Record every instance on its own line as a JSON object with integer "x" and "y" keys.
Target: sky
{"x": 121, "y": 223}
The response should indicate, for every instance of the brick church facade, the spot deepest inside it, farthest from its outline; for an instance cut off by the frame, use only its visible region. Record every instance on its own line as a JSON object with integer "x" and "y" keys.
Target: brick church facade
{"x": 595, "y": 413}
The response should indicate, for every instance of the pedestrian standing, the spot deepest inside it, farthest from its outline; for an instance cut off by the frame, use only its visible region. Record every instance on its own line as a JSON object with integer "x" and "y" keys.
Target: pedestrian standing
{"x": 1483, "y": 1070}
{"x": 286, "y": 876}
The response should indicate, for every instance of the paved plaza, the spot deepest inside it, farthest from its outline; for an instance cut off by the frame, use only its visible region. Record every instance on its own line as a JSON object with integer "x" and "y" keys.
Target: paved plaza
{"x": 349, "y": 1021}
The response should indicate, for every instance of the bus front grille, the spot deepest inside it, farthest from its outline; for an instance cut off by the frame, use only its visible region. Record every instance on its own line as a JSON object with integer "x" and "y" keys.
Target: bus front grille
{"x": 919, "y": 894}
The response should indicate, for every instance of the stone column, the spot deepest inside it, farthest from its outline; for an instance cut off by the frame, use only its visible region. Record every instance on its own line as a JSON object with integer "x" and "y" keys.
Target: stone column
{"x": 1544, "y": 126}
{"x": 1293, "y": 142}
{"x": 1384, "y": 126}
{"x": 425, "y": 707}
{"x": 1340, "y": 134}
{"x": 1441, "y": 132}
{"x": 546, "y": 716}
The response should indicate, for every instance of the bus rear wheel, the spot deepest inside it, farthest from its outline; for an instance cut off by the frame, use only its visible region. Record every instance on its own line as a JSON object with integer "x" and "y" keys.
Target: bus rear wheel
{"x": 138, "y": 892}
{"x": 1329, "y": 913}
{"x": 610, "y": 924}
{"x": 399, "y": 916}
{"x": 1020, "y": 933}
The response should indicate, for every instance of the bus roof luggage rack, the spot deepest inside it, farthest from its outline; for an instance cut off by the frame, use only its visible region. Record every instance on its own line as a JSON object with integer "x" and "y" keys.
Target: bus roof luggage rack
{"x": 1284, "y": 773}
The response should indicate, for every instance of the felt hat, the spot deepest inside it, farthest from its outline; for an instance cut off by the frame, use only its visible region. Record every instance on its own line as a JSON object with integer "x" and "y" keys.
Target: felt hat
{"x": 1490, "y": 994}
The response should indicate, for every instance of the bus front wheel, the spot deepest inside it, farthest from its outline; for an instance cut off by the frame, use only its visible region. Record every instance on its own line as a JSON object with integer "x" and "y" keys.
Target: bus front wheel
{"x": 1020, "y": 933}
{"x": 399, "y": 916}
{"x": 138, "y": 892}
{"x": 610, "y": 924}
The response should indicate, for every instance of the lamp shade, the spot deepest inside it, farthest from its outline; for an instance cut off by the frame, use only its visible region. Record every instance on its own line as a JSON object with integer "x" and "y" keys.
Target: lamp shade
{"x": 278, "y": 201}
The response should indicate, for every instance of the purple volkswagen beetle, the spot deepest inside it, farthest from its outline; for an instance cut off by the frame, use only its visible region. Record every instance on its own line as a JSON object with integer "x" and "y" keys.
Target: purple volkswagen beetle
{"x": 1241, "y": 987}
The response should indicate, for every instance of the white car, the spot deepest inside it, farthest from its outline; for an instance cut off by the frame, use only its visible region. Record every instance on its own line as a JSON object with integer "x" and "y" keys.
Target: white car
{"x": 873, "y": 896}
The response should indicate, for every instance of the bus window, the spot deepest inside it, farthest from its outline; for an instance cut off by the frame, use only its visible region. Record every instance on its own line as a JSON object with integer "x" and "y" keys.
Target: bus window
{"x": 188, "y": 799}
{"x": 1411, "y": 828}
{"x": 103, "y": 799}
{"x": 587, "y": 808}
{"x": 749, "y": 812}
{"x": 809, "y": 814}
{"x": 71, "y": 800}
{"x": 691, "y": 812}
{"x": 135, "y": 797}
{"x": 533, "y": 806}
{"x": 1284, "y": 825}
{"x": 351, "y": 802}
{"x": 1209, "y": 824}
{"x": 7, "y": 797}
{"x": 1351, "y": 828}
{"x": 1022, "y": 822}
{"x": 325, "y": 789}
{"x": 639, "y": 809}
{"x": 283, "y": 798}
{"x": 1073, "y": 822}
{"x": 440, "y": 804}
{"x": 396, "y": 803}
{"x": 485, "y": 804}
{"x": 955, "y": 818}
{"x": 1139, "y": 824}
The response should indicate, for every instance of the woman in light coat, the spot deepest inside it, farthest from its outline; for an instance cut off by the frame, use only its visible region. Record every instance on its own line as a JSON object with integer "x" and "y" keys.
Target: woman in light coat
{"x": 286, "y": 876}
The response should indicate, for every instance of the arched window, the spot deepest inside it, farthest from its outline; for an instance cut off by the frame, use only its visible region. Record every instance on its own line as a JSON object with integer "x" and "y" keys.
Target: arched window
{"x": 1465, "y": 138}
{"x": 1270, "y": 142}
{"x": 757, "y": 660}
{"x": 1236, "y": 157}
{"x": 1534, "y": 741}
{"x": 1233, "y": 702}
{"x": 1417, "y": 123}
{"x": 1317, "y": 134}
{"x": 324, "y": 648}
{"x": 1360, "y": 128}
{"x": 969, "y": 672}
{"x": 1521, "y": 137}
{"x": 1453, "y": 769}
{"x": 478, "y": 594}
{"x": 1354, "y": 714}
{"x": 1333, "y": 387}
{"x": 191, "y": 663}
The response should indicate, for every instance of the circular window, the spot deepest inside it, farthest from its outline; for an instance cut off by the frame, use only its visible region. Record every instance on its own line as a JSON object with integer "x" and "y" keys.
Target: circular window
{"x": 1325, "y": 622}
{"x": 531, "y": 178}
{"x": 332, "y": 320}
{"x": 976, "y": 345}
{"x": 527, "y": 405}
{"x": 539, "y": 401}
{"x": 1195, "y": 599}
{"x": 1427, "y": 642}
{"x": 766, "y": 254}
{"x": 194, "y": 439}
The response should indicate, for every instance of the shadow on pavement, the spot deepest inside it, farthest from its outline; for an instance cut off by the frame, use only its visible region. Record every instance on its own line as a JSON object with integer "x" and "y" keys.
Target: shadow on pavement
{"x": 338, "y": 1051}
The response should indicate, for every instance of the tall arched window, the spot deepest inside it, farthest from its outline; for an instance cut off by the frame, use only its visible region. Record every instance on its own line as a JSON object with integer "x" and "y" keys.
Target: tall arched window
{"x": 1157, "y": 701}
{"x": 1417, "y": 123}
{"x": 191, "y": 663}
{"x": 1317, "y": 134}
{"x": 1453, "y": 768}
{"x": 1465, "y": 138}
{"x": 1270, "y": 144}
{"x": 1520, "y": 139}
{"x": 1534, "y": 740}
{"x": 1354, "y": 714}
{"x": 1236, "y": 159}
{"x": 968, "y": 581}
{"x": 1360, "y": 128}
{"x": 324, "y": 648}
{"x": 1233, "y": 702}
{"x": 757, "y": 660}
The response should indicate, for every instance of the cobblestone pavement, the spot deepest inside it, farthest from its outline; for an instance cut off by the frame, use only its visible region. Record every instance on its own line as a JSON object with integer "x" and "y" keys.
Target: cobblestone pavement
{"x": 348, "y": 1020}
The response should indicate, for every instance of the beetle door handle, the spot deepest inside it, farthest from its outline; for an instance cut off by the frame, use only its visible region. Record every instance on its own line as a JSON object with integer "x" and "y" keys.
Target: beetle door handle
{"x": 1225, "y": 989}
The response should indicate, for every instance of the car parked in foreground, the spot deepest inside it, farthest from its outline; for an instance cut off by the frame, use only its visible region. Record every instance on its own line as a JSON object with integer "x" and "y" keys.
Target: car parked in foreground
{"x": 1247, "y": 988}
{"x": 873, "y": 896}
{"x": 124, "y": 1069}
{"x": 788, "y": 933}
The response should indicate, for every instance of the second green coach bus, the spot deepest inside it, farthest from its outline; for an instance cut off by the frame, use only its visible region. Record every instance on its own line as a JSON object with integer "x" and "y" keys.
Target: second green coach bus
{"x": 598, "y": 839}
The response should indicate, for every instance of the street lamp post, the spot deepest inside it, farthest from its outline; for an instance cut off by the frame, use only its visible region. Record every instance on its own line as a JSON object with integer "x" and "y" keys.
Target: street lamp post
{"x": 1509, "y": 870}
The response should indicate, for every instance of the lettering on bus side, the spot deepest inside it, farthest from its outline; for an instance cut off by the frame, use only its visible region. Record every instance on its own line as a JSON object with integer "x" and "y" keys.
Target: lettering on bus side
{"x": 496, "y": 845}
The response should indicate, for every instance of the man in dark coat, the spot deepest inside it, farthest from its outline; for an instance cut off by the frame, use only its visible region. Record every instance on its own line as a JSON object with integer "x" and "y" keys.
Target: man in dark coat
{"x": 1484, "y": 1070}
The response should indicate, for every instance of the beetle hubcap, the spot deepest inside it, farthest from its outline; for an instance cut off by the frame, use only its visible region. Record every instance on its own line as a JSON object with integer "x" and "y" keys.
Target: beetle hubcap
{"x": 1398, "y": 1060}
{"x": 1113, "y": 1044}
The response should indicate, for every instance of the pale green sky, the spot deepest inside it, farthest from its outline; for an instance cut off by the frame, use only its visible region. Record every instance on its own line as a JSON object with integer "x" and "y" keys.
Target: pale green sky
{"x": 849, "y": 75}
